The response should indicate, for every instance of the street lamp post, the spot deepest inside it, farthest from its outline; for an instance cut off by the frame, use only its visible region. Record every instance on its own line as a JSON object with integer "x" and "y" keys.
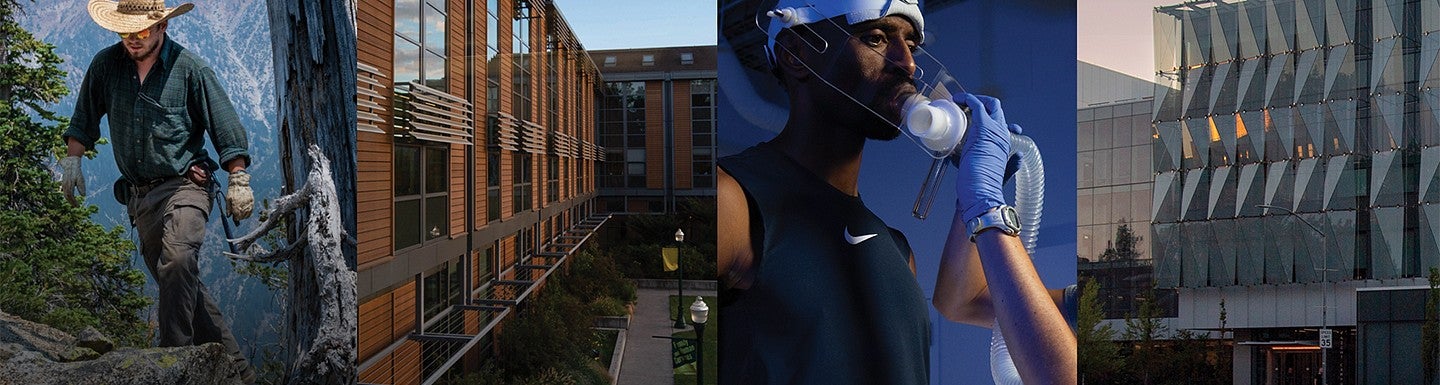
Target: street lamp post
{"x": 679, "y": 282}
{"x": 1324, "y": 295}
{"x": 699, "y": 313}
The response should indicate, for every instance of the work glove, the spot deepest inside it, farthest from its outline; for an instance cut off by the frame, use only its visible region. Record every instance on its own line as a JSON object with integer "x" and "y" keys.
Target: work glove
{"x": 72, "y": 181}
{"x": 238, "y": 197}
{"x": 983, "y": 160}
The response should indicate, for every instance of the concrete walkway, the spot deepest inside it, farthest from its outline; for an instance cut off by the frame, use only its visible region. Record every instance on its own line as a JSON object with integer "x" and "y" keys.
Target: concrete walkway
{"x": 647, "y": 359}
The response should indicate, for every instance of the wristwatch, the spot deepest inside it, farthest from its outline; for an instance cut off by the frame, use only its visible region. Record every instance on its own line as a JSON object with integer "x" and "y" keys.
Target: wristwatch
{"x": 1002, "y": 218}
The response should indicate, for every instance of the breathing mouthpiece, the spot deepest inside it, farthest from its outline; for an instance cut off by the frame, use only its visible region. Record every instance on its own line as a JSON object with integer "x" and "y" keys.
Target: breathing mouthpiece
{"x": 788, "y": 17}
{"x": 939, "y": 124}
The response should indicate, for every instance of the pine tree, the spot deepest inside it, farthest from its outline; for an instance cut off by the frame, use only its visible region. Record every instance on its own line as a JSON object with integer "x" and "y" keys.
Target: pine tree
{"x": 1099, "y": 356}
{"x": 60, "y": 268}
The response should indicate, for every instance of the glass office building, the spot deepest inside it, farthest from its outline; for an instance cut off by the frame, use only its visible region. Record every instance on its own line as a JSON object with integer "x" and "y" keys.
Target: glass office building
{"x": 1323, "y": 108}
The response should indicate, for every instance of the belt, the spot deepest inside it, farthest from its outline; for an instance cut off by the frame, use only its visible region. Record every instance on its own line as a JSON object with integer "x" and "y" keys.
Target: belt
{"x": 139, "y": 189}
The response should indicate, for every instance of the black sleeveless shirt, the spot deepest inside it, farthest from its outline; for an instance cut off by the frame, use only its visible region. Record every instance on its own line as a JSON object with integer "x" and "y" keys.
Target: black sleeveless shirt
{"x": 833, "y": 300}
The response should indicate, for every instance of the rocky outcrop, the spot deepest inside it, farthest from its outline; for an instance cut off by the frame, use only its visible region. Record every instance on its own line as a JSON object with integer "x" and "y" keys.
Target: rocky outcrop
{"x": 36, "y": 354}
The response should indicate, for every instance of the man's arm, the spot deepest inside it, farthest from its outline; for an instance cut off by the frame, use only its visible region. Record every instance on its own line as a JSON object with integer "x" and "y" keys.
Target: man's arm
{"x": 734, "y": 253}
{"x": 217, "y": 116}
{"x": 961, "y": 290}
{"x": 90, "y": 106}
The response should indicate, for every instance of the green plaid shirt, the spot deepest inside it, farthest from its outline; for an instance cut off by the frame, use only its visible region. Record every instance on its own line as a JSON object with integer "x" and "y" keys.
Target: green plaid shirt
{"x": 158, "y": 128}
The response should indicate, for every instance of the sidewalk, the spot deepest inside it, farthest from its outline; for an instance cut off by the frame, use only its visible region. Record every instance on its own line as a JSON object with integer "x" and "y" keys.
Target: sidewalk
{"x": 647, "y": 359}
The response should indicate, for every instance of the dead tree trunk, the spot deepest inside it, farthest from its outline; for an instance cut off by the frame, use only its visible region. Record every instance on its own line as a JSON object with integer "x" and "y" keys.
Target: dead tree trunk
{"x": 314, "y": 51}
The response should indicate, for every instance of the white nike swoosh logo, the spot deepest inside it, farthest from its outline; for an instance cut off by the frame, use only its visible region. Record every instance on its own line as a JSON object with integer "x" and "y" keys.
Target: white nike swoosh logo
{"x": 854, "y": 240}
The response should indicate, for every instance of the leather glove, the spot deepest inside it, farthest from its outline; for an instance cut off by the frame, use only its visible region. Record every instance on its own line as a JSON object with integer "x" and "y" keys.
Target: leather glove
{"x": 72, "y": 180}
{"x": 238, "y": 198}
{"x": 985, "y": 155}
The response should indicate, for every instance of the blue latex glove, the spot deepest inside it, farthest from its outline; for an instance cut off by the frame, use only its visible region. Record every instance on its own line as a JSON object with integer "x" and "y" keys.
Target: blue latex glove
{"x": 984, "y": 158}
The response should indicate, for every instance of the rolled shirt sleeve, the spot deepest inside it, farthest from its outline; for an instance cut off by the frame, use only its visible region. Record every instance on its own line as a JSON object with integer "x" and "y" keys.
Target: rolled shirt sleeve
{"x": 90, "y": 106}
{"x": 216, "y": 115}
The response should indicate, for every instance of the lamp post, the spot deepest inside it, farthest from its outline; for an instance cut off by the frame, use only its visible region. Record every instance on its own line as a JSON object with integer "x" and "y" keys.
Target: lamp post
{"x": 679, "y": 282}
{"x": 1324, "y": 294}
{"x": 699, "y": 313}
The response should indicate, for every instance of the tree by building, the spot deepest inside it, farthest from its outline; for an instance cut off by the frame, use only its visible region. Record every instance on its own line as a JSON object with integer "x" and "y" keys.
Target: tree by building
{"x": 1100, "y": 361}
{"x": 60, "y": 268}
{"x": 1145, "y": 330}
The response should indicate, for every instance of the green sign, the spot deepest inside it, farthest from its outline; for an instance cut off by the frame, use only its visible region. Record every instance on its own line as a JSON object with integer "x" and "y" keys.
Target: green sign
{"x": 682, "y": 351}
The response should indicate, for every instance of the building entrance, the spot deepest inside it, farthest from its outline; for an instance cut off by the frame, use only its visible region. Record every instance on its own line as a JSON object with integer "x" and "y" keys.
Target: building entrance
{"x": 1298, "y": 365}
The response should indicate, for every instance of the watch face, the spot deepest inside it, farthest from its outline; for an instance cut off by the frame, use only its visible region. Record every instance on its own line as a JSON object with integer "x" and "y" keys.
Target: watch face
{"x": 1012, "y": 219}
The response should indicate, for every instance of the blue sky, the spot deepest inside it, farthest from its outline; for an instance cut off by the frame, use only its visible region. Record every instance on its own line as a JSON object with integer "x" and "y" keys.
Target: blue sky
{"x": 640, "y": 24}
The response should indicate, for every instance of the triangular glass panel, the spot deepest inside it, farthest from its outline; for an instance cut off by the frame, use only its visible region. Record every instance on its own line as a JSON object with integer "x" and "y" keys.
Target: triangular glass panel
{"x": 1221, "y": 252}
{"x": 1429, "y": 236}
{"x": 1387, "y": 121}
{"x": 1341, "y": 227}
{"x": 1252, "y": 29}
{"x": 1342, "y": 113}
{"x": 1172, "y": 138}
{"x": 1277, "y": 179}
{"x": 1248, "y": 190}
{"x": 1339, "y": 21}
{"x": 1305, "y": 70}
{"x": 1279, "y": 80}
{"x": 1195, "y": 237}
{"x": 1250, "y": 88}
{"x": 1429, "y": 51}
{"x": 1382, "y": 24}
{"x": 1313, "y": 116}
{"x": 1250, "y": 250}
{"x": 1166, "y": 246}
{"x": 1381, "y": 53}
{"x": 1222, "y": 90}
{"x": 1221, "y": 183}
{"x": 1336, "y": 59}
{"x": 1429, "y": 180}
{"x": 1386, "y": 187}
{"x": 1222, "y": 39}
{"x": 1250, "y": 137}
{"x": 1337, "y": 169}
{"x": 1163, "y": 196}
{"x": 1307, "y": 12}
{"x": 1387, "y": 241}
{"x": 1280, "y": 23}
{"x": 1307, "y": 193}
{"x": 1280, "y": 250}
{"x": 1194, "y": 191}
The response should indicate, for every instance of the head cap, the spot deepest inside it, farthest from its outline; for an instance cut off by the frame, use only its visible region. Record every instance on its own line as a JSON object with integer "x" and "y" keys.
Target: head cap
{"x": 129, "y": 16}
{"x": 790, "y": 13}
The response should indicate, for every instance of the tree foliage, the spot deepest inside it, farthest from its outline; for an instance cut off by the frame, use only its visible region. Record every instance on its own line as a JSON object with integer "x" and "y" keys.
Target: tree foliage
{"x": 1099, "y": 356}
{"x": 60, "y": 268}
{"x": 636, "y": 248}
{"x": 1145, "y": 329}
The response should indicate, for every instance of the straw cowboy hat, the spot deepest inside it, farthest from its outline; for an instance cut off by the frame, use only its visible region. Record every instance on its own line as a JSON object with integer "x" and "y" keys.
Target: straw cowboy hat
{"x": 129, "y": 16}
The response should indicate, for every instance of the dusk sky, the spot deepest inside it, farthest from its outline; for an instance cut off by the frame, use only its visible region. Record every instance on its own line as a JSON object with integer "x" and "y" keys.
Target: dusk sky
{"x": 640, "y": 23}
{"x": 1118, "y": 35}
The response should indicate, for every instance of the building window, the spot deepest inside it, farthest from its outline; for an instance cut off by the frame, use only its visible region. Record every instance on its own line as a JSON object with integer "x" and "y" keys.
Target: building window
{"x": 492, "y": 170}
{"x": 521, "y": 75}
{"x": 647, "y": 60}
{"x": 522, "y": 175}
{"x": 609, "y": 61}
{"x": 622, "y": 131}
{"x": 552, "y": 178}
{"x": 420, "y": 42}
{"x": 702, "y": 123}
{"x": 421, "y": 194}
{"x": 687, "y": 58}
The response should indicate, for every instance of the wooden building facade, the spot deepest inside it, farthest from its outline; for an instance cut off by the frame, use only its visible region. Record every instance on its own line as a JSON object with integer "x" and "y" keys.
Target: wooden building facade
{"x": 476, "y": 174}
{"x": 657, "y": 125}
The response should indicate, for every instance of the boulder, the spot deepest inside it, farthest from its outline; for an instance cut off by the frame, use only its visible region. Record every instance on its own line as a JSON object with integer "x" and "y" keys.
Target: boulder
{"x": 36, "y": 354}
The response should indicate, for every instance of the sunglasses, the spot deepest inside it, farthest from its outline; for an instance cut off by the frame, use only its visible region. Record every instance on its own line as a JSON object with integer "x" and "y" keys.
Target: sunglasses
{"x": 142, "y": 35}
